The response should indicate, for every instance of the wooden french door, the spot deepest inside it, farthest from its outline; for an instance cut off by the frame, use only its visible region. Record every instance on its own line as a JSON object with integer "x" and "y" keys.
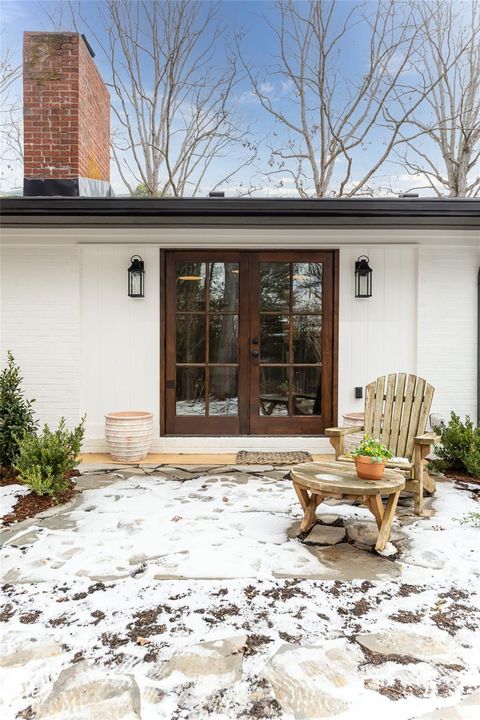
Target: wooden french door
{"x": 249, "y": 342}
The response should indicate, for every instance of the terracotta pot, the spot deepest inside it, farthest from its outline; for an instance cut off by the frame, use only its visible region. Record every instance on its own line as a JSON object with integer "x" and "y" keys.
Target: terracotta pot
{"x": 129, "y": 435}
{"x": 368, "y": 470}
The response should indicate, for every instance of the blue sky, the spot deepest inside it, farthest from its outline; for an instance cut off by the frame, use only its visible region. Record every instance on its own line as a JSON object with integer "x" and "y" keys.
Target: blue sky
{"x": 248, "y": 17}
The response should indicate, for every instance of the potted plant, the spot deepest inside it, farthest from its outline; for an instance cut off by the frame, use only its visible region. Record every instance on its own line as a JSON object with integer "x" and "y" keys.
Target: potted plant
{"x": 370, "y": 457}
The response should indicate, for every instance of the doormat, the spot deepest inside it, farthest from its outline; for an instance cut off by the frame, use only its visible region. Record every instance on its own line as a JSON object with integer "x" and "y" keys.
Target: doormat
{"x": 272, "y": 458}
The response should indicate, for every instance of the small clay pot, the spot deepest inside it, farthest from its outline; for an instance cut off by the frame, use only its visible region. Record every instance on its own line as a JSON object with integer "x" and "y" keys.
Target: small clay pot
{"x": 368, "y": 470}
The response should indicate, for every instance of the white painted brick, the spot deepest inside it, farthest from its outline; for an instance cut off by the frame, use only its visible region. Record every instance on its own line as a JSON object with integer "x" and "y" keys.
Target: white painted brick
{"x": 40, "y": 324}
{"x": 447, "y": 326}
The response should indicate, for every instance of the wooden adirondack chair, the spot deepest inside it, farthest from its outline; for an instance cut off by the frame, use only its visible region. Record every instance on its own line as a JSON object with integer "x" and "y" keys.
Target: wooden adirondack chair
{"x": 396, "y": 413}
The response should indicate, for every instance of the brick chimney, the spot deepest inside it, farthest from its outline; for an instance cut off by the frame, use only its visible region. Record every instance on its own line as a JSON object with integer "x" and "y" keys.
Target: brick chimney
{"x": 66, "y": 117}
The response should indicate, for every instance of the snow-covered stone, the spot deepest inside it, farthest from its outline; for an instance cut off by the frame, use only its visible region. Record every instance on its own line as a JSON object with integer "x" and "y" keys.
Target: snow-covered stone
{"x": 310, "y": 682}
{"x": 219, "y": 662}
{"x": 435, "y": 647}
{"x": 466, "y": 709}
{"x": 84, "y": 692}
{"x": 432, "y": 559}
{"x": 19, "y": 648}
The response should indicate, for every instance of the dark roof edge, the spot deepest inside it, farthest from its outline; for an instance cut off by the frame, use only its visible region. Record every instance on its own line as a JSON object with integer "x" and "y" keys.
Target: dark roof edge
{"x": 24, "y": 211}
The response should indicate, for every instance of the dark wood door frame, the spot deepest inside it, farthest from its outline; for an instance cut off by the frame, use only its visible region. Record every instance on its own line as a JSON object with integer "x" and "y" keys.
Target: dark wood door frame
{"x": 245, "y": 366}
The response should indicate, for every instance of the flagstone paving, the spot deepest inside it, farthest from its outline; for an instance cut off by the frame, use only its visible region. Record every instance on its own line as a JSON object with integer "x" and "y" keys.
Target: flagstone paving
{"x": 186, "y": 592}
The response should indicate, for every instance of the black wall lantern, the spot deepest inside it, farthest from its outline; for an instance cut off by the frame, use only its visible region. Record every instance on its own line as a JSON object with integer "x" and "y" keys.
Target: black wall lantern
{"x": 136, "y": 277}
{"x": 363, "y": 278}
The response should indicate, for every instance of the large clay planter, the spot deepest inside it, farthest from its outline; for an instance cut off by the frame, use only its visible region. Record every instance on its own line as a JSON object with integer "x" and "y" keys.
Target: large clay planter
{"x": 129, "y": 435}
{"x": 368, "y": 470}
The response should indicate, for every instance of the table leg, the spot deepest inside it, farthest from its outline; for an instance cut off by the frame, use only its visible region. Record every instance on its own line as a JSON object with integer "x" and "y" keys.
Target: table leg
{"x": 386, "y": 526}
{"x": 376, "y": 507}
{"x": 310, "y": 514}
{"x": 302, "y": 495}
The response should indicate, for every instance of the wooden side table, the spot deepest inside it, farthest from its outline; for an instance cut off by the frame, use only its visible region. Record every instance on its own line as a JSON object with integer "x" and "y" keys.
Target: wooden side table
{"x": 314, "y": 482}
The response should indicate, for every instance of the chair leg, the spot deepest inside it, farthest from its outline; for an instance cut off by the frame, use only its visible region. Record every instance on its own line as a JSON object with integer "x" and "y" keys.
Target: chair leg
{"x": 418, "y": 478}
{"x": 429, "y": 483}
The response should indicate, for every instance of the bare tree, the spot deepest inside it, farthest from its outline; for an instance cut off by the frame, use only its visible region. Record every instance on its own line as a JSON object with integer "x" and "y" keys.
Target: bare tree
{"x": 336, "y": 130}
{"x": 173, "y": 106}
{"x": 11, "y": 143}
{"x": 445, "y": 150}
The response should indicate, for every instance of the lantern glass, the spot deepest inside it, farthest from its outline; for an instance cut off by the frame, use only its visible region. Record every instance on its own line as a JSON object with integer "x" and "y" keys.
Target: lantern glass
{"x": 136, "y": 273}
{"x": 363, "y": 278}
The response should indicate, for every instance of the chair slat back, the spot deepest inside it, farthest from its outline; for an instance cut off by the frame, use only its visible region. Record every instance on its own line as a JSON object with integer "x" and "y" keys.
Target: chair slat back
{"x": 396, "y": 410}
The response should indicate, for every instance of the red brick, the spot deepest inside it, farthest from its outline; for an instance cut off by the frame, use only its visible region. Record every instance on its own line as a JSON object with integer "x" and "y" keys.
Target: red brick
{"x": 66, "y": 109}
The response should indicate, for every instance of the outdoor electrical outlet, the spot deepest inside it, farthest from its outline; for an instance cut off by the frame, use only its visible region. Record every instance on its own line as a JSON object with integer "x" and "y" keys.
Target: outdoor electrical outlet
{"x": 358, "y": 392}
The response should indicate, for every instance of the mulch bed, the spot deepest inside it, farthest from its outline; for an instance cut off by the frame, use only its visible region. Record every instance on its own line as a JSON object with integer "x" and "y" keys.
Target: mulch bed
{"x": 463, "y": 477}
{"x": 30, "y": 505}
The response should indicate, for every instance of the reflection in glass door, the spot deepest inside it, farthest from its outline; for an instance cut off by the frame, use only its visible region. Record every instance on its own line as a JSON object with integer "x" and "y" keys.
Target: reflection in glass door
{"x": 290, "y": 338}
{"x": 203, "y": 305}
{"x": 291, "y": 346}
{"x": 249, "y": 342}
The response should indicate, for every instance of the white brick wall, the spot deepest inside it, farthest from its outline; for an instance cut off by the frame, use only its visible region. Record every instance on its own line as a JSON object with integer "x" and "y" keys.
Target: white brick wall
{"x": 376, "y": 335}
{"x": 447, "y": 326}
{"x": 120, "y": 336}
{"x": 40, "y": 325}
{"x": 84, "y": 346}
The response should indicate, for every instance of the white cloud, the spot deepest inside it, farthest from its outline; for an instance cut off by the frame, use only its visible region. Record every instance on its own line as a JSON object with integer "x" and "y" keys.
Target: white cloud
{"x": 266, "y": 88}
{"x": 248, "y": 98}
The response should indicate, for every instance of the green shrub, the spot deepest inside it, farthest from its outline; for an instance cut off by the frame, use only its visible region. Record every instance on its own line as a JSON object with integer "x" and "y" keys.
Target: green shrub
{"x": 459, "y": 447}
{"x": 45, "y": 461}
{"x": 373, "y": 449}
{"x": 16, "y": 413}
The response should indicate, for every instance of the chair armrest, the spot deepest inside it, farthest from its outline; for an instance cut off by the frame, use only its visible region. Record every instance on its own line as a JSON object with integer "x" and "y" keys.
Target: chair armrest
{"x": 339, "y": 431}
{"x": 427, "y": 439}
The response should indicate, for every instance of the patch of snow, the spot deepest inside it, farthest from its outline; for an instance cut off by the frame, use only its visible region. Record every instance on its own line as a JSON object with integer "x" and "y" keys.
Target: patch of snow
{"x": 9, "y": 495}
{"x": 139, "y": 575}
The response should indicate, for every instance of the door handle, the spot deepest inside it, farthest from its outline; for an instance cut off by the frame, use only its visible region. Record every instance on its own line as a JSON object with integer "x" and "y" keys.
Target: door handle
{"x": 255, "y": 340}
{"x": 255, "y": 353}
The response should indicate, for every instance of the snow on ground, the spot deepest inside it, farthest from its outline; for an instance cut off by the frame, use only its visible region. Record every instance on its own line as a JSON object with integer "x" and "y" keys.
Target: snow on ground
{"x": 192, "y": 598}
{"x": 9, "y": 495}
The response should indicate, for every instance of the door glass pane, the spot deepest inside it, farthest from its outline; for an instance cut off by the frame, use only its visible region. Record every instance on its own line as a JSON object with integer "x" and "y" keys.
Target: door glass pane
{"x": 190, "y": 338}
{"x": 274, "y": 285}
{"x": 307, "y": 338}
{"x": 190, "y": 285}
{"x": 223, "y": 338}
{"x": 223, "y": 391}
{"x": 274, "y": 339}
{"x": 274, "y": 391}
{"x": 190, "y": 387}
{"x": 307, "y": 287}
{"x": 223, "y": 286}
{"x": 307, "y": 395}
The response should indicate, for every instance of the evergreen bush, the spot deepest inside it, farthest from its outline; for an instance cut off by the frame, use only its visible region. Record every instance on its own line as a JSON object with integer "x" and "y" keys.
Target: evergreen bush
{"x": 45, "y": 461}
{"x": 459, "y": 447}
{"x": 16, "y": 413}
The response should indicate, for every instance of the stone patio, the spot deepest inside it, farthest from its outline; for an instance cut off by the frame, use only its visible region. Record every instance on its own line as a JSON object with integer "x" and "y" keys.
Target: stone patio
{"x": 185, "y": 592}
